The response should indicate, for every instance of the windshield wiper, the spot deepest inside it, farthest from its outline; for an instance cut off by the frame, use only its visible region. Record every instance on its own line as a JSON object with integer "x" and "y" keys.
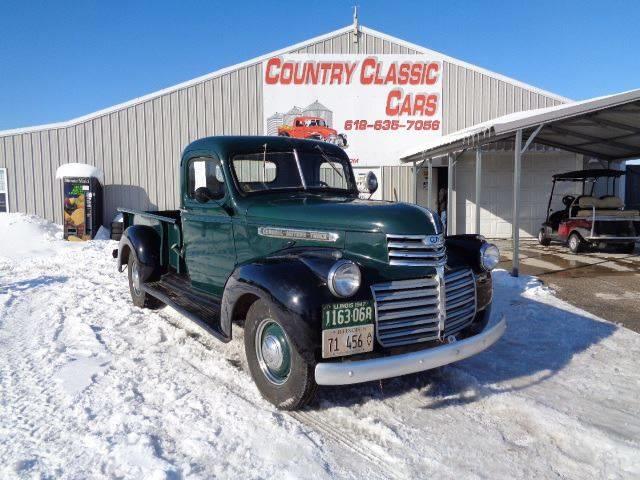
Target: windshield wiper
{"x": 295, "y": 155}
{"x": 324, "y": 155}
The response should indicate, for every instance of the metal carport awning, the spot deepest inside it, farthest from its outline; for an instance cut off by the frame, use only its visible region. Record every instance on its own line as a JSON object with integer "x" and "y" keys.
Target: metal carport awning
{"x": 607, "y": 128}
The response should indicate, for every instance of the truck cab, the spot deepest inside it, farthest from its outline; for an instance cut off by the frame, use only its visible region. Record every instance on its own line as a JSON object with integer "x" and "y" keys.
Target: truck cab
{"x": 331, "y": 289}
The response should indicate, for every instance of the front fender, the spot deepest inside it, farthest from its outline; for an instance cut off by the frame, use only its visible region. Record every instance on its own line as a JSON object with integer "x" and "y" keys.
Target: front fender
{"x": 144, "y": 243}
{"x": 294, "y": 286}
{"x": 464, "y": 251}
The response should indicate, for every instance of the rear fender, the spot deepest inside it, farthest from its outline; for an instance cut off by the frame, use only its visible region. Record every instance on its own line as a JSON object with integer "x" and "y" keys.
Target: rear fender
{"x": 143, "y": 242}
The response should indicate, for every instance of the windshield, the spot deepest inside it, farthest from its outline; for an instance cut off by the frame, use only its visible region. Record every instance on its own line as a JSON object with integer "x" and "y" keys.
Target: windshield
{"x": 269, "y": 171}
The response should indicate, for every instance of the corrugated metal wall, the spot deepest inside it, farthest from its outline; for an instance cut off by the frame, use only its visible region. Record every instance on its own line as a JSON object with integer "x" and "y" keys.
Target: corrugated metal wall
{"x": 139, "y": 146}
{"x": 398, "y": 184}
{"x": 471, "y": 97}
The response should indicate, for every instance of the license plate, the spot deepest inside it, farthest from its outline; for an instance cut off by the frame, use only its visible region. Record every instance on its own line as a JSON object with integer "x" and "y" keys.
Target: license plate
{"x": 347, "y": 328}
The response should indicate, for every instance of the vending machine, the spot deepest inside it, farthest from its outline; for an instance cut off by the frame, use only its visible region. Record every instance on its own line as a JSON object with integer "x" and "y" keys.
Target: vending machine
{"x": 82, "y": 207}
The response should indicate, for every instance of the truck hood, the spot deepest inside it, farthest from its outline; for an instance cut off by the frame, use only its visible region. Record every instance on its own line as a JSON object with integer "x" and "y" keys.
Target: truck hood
{"x": 342, "y": 213}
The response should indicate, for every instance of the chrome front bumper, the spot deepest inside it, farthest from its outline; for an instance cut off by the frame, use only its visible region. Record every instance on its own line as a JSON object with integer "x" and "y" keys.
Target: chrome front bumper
{"x": 343, "y": 373}
{"x": 605, "y": 238}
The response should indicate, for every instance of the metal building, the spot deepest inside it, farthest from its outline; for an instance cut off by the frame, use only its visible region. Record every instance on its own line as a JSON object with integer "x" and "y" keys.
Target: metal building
{"x": 138, "y": 143}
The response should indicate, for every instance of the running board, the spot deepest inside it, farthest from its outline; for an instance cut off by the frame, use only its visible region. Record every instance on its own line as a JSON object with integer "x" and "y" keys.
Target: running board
{"x": 177, "y": 293}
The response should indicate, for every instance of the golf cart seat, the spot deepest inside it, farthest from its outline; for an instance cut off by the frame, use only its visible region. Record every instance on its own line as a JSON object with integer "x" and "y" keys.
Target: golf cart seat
{"x": 610, "y": 206}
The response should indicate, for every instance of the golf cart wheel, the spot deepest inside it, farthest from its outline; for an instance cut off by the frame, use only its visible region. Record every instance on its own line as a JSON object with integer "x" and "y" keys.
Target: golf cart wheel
{"x": 576, "y": 244}
{"x": 281, "y": 374}
{"x": 542, "y": 238}
{"x": 140, "y": 298}
{"x": 627, "y": 247}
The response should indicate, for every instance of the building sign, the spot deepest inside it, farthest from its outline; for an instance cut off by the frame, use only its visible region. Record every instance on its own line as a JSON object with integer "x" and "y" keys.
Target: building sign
{"x": 374, "y": 106}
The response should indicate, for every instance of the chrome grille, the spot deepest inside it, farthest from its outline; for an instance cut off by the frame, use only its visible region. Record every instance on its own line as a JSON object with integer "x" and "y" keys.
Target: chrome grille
{"x": 460, "y": 294}
{"x": 407, "y": 311}
{"x": 416, "y": 250}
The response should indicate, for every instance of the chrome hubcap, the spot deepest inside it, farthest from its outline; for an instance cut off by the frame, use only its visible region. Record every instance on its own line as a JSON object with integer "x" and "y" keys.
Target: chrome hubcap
{"x": 135, "y": 276}
{"x": 273, "y": 352}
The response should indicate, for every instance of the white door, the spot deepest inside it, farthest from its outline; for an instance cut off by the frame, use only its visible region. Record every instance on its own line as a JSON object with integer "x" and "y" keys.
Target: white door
{"x": 4, "y": 191}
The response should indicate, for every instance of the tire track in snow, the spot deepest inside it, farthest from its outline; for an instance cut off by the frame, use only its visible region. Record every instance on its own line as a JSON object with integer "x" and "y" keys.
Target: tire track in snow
{"x": 346, "y": 439}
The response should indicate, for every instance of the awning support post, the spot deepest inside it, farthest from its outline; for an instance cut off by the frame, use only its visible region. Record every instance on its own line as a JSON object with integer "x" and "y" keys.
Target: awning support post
{"x": 478, "y": 186}
{"x": 450, "y": 207}
{"x": 516, "y": 203}
{"x": 430, "y": 183}
{"x": 415, "y": 183}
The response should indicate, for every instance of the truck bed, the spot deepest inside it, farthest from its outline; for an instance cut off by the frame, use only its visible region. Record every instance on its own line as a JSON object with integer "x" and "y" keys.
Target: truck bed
{"x": 169, "y": 216}
{"x": 168, "y": 227}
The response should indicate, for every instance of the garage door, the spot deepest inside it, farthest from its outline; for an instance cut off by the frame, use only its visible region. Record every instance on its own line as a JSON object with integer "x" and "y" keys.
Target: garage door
{"x": 497, "y": 191}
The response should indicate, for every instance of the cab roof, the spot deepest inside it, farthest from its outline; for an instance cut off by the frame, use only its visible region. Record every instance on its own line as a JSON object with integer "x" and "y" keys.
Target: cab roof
{"x": 225, "y": 146}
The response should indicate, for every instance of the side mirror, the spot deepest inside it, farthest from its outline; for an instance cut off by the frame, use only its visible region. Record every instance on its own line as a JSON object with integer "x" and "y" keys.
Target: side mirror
{"x": 202, "y": 195}
{"x": 370, "y": 184}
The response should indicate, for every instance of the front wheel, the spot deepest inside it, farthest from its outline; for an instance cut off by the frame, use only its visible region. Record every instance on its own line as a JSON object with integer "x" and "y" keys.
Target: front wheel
{"x": 281, "y": 374}
{"x": 543, "y": 239}
{"x": 627, "y": 247}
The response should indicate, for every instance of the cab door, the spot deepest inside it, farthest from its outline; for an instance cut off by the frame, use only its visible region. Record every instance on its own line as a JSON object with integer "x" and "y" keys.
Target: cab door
{"x": 207, "y": 228}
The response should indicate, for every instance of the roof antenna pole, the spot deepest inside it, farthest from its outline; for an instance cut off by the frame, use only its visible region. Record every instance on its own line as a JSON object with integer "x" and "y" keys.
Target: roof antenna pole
{"x": 356, "y": 25}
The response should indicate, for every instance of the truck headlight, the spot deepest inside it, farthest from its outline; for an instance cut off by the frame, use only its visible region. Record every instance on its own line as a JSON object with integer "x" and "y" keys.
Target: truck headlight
{"x": 344, "y": 278}
{"x": 489, "y": 256}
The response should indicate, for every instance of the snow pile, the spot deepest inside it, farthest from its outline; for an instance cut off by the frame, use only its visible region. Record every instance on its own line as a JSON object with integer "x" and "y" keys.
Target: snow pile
{"x": 91, "y": 386}
{"x": 25, "y": 237}
{"x": 79, "y": 170}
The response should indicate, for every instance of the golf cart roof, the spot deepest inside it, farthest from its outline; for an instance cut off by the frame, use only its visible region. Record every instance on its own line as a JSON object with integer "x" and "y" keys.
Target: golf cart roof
{"x": 581, "y": 175}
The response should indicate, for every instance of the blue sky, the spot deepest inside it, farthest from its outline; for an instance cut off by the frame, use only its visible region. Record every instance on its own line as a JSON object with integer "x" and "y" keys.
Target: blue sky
{"x": 62, "y": 59}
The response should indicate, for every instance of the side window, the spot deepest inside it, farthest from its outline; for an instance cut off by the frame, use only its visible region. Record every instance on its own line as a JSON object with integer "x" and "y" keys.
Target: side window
{"x": 4, "y": 191}
{"x": 206, "y": 174}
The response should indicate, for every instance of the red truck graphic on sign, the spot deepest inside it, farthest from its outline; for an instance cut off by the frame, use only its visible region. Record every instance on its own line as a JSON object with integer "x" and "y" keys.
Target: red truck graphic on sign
{"x": 314, "y": 128}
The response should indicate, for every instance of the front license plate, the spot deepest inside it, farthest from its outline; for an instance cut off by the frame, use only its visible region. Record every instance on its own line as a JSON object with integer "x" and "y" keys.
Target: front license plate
{"x": 347, "y": 328}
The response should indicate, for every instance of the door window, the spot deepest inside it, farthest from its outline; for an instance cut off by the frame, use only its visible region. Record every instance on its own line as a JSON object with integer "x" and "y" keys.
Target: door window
{"x": 206, "y": 174}
{"x": 4, "y": 191}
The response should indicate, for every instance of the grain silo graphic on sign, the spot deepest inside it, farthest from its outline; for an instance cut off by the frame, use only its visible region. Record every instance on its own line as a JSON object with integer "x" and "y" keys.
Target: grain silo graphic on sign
{"x": 274, "y": 122}
{"x": 290, "y": 116}
{"x": 316, "y": 109}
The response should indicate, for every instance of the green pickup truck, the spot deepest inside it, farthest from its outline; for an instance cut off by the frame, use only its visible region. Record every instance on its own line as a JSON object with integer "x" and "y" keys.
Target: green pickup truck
{"x": 331, "y": 289}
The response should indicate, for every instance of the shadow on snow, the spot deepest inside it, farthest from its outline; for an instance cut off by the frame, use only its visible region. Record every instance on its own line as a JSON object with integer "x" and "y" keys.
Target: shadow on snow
{"x": 540, "y": 340}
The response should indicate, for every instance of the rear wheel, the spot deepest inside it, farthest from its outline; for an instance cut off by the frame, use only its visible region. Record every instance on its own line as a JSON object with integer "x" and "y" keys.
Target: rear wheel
{"x": 542, "y": 237}
{"x": 627, "y": 247}
{"x": 140, "y": 298}
{"x": 281, "y": 374}
{"x": 576, "y": 245}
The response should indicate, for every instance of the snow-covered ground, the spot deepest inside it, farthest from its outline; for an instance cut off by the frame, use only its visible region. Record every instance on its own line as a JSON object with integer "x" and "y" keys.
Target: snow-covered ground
{"x": 92, "y": 387}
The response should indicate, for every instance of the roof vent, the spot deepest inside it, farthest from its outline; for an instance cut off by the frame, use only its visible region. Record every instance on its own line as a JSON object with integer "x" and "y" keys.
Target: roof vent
{"x": 356, "y": 25}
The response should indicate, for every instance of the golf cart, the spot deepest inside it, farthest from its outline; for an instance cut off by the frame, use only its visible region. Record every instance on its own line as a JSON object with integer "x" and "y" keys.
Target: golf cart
{"x": 587, "y": 220}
